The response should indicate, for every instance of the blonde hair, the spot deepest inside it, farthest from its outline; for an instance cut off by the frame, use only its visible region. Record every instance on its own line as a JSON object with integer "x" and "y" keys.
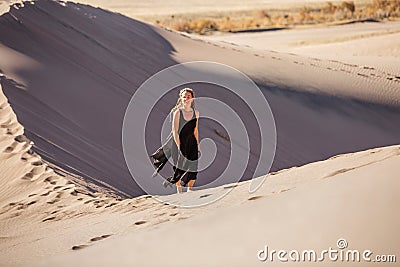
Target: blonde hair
{"x": 179, "y": 103}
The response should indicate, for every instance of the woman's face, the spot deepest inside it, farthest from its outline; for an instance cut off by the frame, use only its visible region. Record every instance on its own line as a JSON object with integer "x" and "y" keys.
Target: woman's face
{"x": 187, "y": 98}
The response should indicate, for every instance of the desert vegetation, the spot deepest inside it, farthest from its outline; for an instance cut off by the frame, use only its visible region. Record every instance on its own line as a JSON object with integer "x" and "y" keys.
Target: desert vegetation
{"x": 328, "y": 13}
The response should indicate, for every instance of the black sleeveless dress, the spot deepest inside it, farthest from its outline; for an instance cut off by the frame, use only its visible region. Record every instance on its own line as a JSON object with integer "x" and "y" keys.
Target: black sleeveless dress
{"x": 185, "y": 160}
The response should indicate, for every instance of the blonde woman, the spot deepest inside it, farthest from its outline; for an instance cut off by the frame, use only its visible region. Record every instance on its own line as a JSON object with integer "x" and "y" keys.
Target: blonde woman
{"x": 185, "y": 132}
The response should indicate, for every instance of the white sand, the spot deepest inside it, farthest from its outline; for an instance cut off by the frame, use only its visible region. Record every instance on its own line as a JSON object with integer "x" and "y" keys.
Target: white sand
{"x": 309, "y": 207}
{"x": 374, "y": 45}
{"x": 343, "y": 107}
{"x": 353, "y": 201}
{"x": 69, "y": 86}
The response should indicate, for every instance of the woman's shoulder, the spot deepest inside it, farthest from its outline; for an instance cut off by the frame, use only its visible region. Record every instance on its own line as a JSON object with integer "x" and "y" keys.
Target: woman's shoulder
{"x": 176, "y": 112}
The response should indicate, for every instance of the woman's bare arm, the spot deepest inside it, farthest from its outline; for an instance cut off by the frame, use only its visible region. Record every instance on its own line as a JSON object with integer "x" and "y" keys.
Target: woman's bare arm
{"x": 175, "y": 127}
{"x": 196, "y": 130}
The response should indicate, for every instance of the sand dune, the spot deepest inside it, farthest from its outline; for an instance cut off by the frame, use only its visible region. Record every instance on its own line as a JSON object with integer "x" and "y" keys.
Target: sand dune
{"x": 47, "y": 219}
{"x": 33, "y": 193}
{"x": 68, "y": 71}
{"x": 59, "y": 67}
{"x": 341, "y": 200}
{"x": 372, "y": 45}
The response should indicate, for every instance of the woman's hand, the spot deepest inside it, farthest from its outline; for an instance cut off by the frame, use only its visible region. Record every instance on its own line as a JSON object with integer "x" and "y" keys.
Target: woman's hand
{"x": 175, "y": 127}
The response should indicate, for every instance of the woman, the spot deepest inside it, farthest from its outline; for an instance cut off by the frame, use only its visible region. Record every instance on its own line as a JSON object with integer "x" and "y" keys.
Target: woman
{"x": 186, "y": 136}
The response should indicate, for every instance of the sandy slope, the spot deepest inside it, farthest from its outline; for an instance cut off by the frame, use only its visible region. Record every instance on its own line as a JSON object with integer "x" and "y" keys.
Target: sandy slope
{"x": 45, "y": 211}
{"x": 57, "y": 56}
{"x": 32, "y": 194}
{"x": 352, "y": 196}
{"x": 371, "y": 45}
{"x": 43, "y": 214}
{"x": 69, "y": 71}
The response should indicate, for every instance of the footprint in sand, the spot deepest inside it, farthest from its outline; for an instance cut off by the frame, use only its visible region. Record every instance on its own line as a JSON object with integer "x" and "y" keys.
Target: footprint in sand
{"x": 28, "y": 176}
{"x": 46, "y": 194}
{"x": 15, "y": 129}
{"x": 48, "y": 219}
{"x": 230, "y": 186}
{"x": 10, "y": 148}
{"x": 78, "y": 247}
{"x": 255, "y": 197}
{"x": 375, "y": 151}
{"x": 3, "y": 104}
{"x": 98, "y": 238}
{"x": 28, "y": 157}
{"x": 140, "y": 222}
{"x": 299, "y": 63}
{"x": 88, "y": 201}
{"x": 5, "y": 120}
{"x": 34, "y": 173}
{"x": 111, "y": 204}
{"x": 368, "y": 68}
{"x": 60, "y": 194}
{"x": 350, "y": 65}
{"x": 286, "y": 189}
{"x": 94, "y": 239}
{"x": 392, "y": 79}
{"x": 22, "y": 139}
{"x": 52, "y": 180}
{"x": 338, "y": 172}
{"x": 32, "y": 202}
{"x": 52, "y": 201}
{"x": 276, "y": 58}
{"x": 278, "y": 172}
{"x": 70, "y": 189}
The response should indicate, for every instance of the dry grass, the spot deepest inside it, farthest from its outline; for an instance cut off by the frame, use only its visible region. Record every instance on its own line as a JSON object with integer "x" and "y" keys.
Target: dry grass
{"x": 263, "y": 19}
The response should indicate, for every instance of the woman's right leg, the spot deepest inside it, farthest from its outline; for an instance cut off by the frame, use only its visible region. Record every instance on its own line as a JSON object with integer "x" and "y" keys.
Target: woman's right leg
{"x": 176, "y": 179}
{"x": 190, "y": 185}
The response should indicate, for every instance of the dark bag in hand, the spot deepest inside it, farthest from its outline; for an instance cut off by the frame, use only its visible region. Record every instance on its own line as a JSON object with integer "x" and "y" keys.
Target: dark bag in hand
{"x": 161, "y": 156}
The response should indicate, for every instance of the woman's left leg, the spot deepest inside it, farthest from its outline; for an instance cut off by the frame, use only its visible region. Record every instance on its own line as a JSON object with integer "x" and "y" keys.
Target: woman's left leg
{"x": 190, "y": 185}
{"x": 178, "y": 187}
